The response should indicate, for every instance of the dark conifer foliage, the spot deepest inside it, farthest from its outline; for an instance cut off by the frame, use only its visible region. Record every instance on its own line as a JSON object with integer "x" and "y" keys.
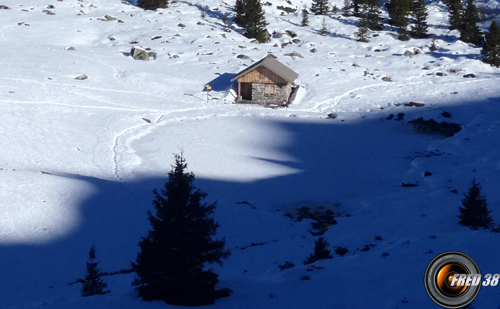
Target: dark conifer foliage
{"x": 470, "y": 32}
{"x": 240, "y": 10}
{"x": 374, "y": 21}
{"x": 456, "y": 12}
{"x": 171, "y": 264}
{"x": 321, "y": 251}
{"x": 305, "y": 17}
{"x": 491, "y": 48}
{"x": 363, "y": 32}
{"x": 357, "y": 4}
{"x": 419, "y": 14}
{"x": 153, "y": 4}
{"x": 255, "y": 21}
{"x": 93, "y": 284}
{"x": 320, "y": 7}
{"x": 474, "y": 211}
{"x": 346, "y": 8}
{"x": 398, "y": 12}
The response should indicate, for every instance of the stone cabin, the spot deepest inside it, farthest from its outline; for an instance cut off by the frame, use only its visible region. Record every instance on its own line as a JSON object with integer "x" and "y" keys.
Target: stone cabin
{"x": 267, "y": 81}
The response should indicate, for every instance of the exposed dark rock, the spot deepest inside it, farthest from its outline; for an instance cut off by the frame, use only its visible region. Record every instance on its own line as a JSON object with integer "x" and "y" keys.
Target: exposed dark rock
{"x": 414, "y": 104}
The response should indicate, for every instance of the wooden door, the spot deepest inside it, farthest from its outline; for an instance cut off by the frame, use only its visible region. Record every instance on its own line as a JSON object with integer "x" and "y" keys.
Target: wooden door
{"x": 246, "y": 91}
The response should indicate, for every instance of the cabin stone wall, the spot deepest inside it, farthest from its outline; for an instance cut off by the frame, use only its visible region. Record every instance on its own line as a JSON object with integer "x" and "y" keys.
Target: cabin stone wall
{"x": 282, "y": 93}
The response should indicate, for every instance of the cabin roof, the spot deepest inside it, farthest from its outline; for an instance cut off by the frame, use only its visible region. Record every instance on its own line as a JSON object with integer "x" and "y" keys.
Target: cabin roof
{"x": 272, "y": 64}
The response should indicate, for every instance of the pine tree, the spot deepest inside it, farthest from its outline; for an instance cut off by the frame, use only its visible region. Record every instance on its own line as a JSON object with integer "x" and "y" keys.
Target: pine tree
{"x": 356, "y": 4}
{"x": 470, "y": 32}
{"x": 363, "y": 33}
{"x": 153, "y": 4}
{"x": 321, "y": 251}
{"x": 398, "y": 13}
{"x": 491, "y": 48}
{"x": 170, "y": 265}
{"x": 305, "y": 17}
{"x": 419, "y": 13}
{"x": 474, "y": 211}
{"x": 320, "y": 7}
{"x": 374, "y": 21}
{"x": 93, "y": 284}
{"x": 456, "y": 12}
{"x": 346, "y": 7}
{"x": 255, "y": 21}
{"x": 240, "y": 10}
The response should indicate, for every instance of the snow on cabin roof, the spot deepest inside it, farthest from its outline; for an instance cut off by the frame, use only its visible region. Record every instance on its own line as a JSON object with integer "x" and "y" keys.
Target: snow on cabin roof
{"x": 272, "y": 64}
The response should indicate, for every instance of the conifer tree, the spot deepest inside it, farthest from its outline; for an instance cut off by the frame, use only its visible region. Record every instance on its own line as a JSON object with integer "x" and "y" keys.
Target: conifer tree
{"x": 419, "y": 13}
{"x": 152, "y": 4}
{"x": 474, "y": 211}
{"x": 93, "y": 284}
{"x": 398, "y": 13}
{"x": 491, "y": 48}
{"x": 470, "y": 32}
{"x": 171, "y": 263}
{"x": 255, "y": 21}
{"x": 363, "y": 33}
{"x": 346, "y": 7}
{"x": 374, "y": 21}
{"x": 456, "y": 12}
{"x": 240, "y": 10}
{"x": 321, "y": 251}
{"x": 357, "y": 4}
{"x": 320, "y": 7}
{"x": 305, "y": 17}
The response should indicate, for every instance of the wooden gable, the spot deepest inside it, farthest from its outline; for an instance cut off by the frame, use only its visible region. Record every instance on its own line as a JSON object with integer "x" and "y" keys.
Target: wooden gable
{"x": 262, "y": 75}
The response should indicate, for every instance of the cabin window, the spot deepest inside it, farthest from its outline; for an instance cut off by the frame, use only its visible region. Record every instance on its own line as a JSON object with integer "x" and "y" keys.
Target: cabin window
{"x": 269, "y": 90}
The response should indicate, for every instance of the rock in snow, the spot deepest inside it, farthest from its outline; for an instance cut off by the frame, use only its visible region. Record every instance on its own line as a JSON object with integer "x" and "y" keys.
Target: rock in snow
{"x": 139, "y": 53}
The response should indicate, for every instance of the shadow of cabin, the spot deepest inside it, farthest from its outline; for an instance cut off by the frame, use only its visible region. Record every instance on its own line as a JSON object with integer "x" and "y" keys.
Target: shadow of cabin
{"x": 266, "y": 82}
{"x": 220, "y": 83}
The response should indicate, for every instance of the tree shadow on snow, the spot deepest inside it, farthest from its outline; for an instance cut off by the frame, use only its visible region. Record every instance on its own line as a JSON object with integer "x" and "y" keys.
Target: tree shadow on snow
{"x": 321, "y": 161}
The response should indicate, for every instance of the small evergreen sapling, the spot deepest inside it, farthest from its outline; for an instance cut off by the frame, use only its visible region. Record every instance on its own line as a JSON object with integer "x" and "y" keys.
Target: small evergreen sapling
{"x": 321, "y": 251}
{"x": 93, "y": 284}
{"x": 305, "y": 17}
{"x": 324, "y": 30}
{"x": 474, "y": 211}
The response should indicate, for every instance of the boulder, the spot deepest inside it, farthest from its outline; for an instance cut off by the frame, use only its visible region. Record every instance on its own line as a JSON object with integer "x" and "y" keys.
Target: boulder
{"x": 290, "y": 33}
{"x": 418, "y": 51}
{"x": 141, "y": 54}
{"x": 241, "y": 56}
{"x": 81, "y": 77}
{"x": 408, "y": 53}
{"x": 294, "y": 54}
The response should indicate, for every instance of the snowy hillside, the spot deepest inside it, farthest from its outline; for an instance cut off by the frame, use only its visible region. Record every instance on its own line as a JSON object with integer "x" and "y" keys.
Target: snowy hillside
{"x": 79, "y": 158}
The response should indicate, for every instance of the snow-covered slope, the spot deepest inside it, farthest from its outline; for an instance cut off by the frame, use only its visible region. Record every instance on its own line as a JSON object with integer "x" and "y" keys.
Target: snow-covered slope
{"x": 80, "y": 158}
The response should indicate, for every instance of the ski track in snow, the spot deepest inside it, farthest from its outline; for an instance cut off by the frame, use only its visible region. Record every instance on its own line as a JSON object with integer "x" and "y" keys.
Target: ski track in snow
{"x": 116, "y": 139}
{"x": 171, "y": 98}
